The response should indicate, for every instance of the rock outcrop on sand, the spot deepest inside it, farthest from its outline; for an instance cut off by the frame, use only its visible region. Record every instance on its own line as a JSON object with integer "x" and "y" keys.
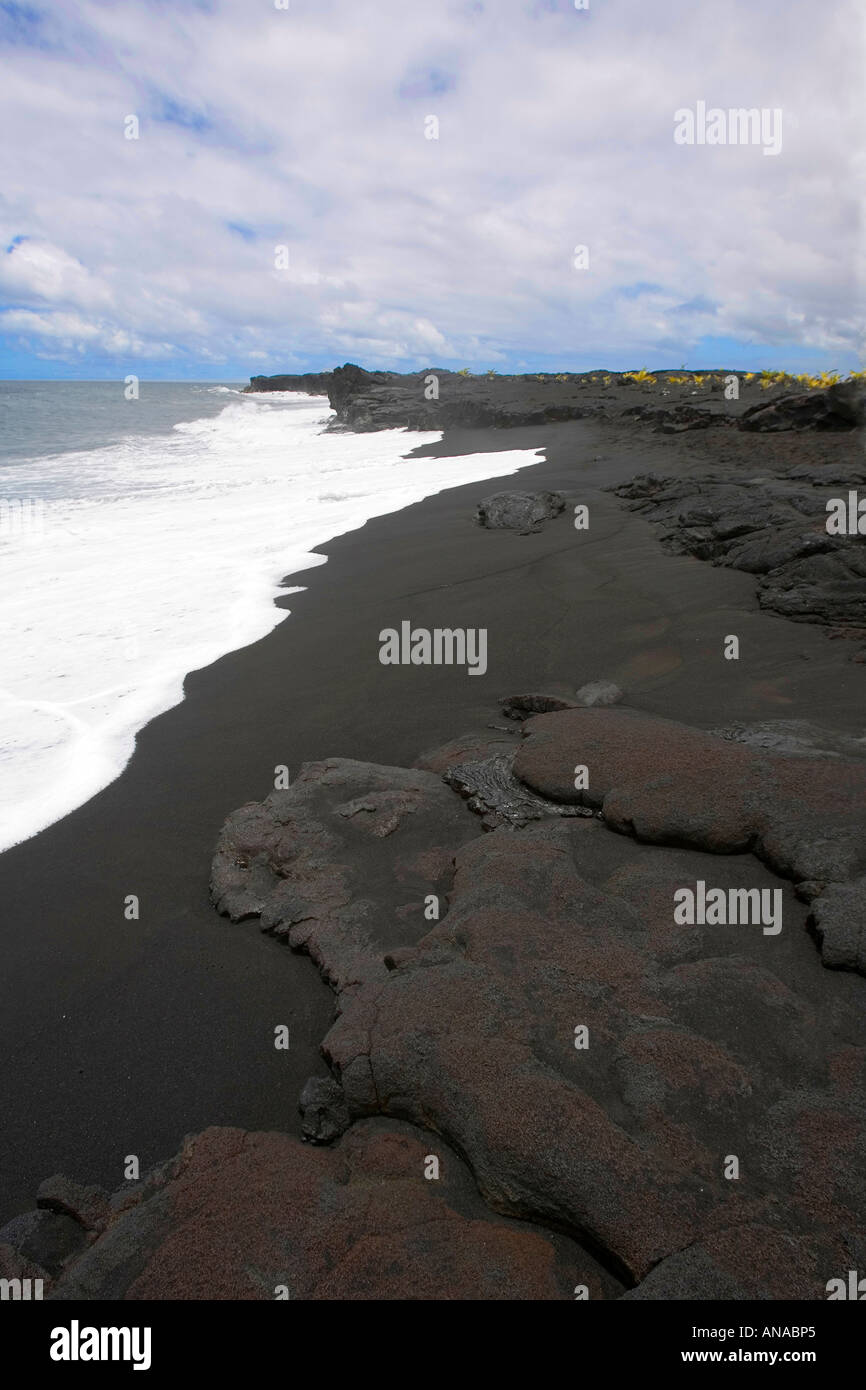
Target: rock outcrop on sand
{"x": 773, "y": 527}
{"x": 323, "y": 1106}
{"x": 519, "y": 511}
{"x": 340, "y": 863}
{"x": 683, "y": 1102}
{"x": 806, "y": 818}
{"x": 840, "y": 407}
{"x": 702, "y": 1042}
{"x": 492, "y": 791}
{"x": 699, "y": 1045}
{"x": 262, "y": 1216}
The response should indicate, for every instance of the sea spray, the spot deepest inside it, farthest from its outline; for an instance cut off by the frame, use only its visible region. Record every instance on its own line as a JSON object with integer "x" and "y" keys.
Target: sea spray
{"x": 158, "y": 555}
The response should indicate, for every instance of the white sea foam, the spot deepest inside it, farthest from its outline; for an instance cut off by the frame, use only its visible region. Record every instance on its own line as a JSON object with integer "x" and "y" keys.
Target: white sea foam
{"x": 153, "y": 557}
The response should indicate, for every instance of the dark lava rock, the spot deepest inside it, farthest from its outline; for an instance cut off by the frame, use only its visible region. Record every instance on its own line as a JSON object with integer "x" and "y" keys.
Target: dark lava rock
{"x": 366, "y": 401}
{"x": 520, "y": 707}
{"x": 839, "y": 919}
{"x": 823, "y": 588}
{"x": 525, "y": 706}
{"x": 46, "y": 1238}
{"x": 748, "y": 1262}
{"x": 471, "y": 747}
{"x": 848, "y": 400}
{"x": 491, "y": 790}
{"x": 323, "y": 1106}
{"x": 310, "y": 383}
{"x": 796, "y": 737}
{"x": 246, "y": 1216}
{"x": 840, "y": 407}
{"x": 669, "y": 784}
{"x": 89, "y": 1206}
{"x": 775, "y": 527}
{"x": 350, "y": 385}
{"x": 341, "y": 863}
{"x": 519, "y": 511}
{"x": 15, "y": 1265}
{"x": 439, "y": 399}
{"x": 701, "y": 1042}
{"x": 676, "y": 419}
{"x": 695, "y": 1033}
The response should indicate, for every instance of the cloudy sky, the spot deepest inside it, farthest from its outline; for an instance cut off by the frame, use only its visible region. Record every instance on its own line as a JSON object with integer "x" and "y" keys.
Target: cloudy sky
{"x": 308, "y": 128}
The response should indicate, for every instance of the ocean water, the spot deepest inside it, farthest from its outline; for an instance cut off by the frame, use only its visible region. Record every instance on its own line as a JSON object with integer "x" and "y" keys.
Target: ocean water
{"x": 141, "y": 540}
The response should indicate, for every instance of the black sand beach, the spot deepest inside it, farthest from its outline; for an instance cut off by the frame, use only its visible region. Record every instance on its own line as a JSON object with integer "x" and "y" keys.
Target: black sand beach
{"x": 121, "y": 1036}
{"x": 124, "y": 1036}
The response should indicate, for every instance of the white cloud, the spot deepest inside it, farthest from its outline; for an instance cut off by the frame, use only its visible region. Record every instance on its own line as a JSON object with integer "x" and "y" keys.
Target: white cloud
{"x": 556, "y": 128}
{"x": 40, "y": 271}
{"x": 69, "y": 327}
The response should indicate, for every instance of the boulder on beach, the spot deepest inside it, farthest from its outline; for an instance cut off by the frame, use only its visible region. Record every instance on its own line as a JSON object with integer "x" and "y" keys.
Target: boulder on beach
{"x": 519, "y": 511}
{"x": 520, "y": 707}
{"x": 323, "y": 1106}
{"x": 599, "y": 693}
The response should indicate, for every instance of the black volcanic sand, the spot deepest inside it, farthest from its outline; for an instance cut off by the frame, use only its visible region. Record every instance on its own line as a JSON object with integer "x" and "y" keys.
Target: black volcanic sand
{"x": 120, "y": 1037}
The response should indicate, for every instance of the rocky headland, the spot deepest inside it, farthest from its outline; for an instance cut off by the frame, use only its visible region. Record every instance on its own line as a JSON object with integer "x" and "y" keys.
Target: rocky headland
{"x": 670, "y": 401}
